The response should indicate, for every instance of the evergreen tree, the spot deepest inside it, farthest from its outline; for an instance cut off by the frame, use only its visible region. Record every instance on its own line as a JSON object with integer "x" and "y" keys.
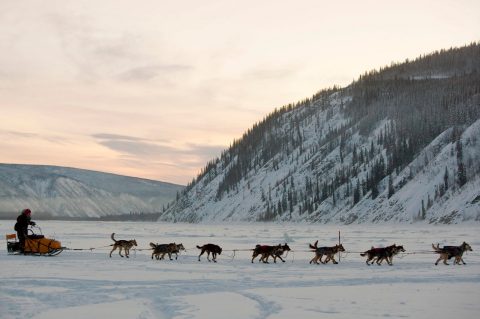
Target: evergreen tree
{"x": 462, "y": 174}
{"x": 445, "y": 179}
{"x": 374, "y": 190}
{"x": 424, "y": 212}
{"x": 391, "y": 190}
{"x": 356, "y": 193}
{"x": 461, "y": 171}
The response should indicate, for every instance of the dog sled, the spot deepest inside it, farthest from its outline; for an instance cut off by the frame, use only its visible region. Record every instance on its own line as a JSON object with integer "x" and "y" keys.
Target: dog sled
{"x": 35, "y": 244}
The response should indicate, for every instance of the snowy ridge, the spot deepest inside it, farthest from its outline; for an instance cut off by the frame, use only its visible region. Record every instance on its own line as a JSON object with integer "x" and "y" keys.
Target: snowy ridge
{"x": 67, "y": 192}
{"x": 405, "y": 205}
{"x": 399, "y": 145}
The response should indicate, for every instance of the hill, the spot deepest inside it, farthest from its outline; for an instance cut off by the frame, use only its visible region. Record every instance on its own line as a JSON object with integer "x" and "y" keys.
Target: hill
{"x": 61, "y": 192}
{"x": 400, "y": 144}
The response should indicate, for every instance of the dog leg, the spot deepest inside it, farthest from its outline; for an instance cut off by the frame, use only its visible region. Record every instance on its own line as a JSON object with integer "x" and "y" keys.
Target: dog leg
{"x": 112, "y": 251}
{"x": 208, "y": 256}
{"x": 445, "y": 260}
{"x": 120, "y": 251}
{"x": 265, "y": 258}
{"x": 369, "y": 259}
{"x": 262, "y": 258}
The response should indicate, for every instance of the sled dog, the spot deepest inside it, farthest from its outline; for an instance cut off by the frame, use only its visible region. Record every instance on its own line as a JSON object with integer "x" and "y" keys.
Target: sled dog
{"x": 447, "y": 252}
{"x": 327, "y": 251}
{"x": 160, "y": 250}
{"x": 266, "y": 251}
{"x": 126, "y": 245}
{"x": 210, "y": 248}
{"x": 384, "y": 253}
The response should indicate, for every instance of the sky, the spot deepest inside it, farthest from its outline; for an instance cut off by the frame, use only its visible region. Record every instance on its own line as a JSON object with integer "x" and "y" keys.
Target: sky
{"x": 156, "y": 89}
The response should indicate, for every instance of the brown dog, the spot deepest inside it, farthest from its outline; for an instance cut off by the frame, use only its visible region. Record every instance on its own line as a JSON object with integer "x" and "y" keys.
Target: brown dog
{"x": 389, "y": 255}
{"x": 160, "y": 250}
{"x": 126, "y": 245}
{"x": 210, "y": 248}
{"x": 447, "y": 252}
{"x": 382, "y": 253}
{"x": 327, "y": 251}
{"x": 266, "y": 251}
{"x": 278, "y": 252}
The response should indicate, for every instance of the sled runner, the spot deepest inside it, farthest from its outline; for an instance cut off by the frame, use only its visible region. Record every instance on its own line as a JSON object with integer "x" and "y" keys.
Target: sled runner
{"x": 35, "y": 244}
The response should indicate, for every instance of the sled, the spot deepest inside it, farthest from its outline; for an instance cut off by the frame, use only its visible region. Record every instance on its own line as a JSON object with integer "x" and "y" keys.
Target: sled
{"x": 35, "y": 244}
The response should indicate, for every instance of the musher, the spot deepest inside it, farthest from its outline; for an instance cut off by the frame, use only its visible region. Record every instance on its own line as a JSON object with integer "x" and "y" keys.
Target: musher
{"x": 23, "y": 221}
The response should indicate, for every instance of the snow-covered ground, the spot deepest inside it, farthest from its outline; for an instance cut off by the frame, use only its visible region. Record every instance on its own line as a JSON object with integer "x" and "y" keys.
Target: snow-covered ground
{"x": 89, "y": 284}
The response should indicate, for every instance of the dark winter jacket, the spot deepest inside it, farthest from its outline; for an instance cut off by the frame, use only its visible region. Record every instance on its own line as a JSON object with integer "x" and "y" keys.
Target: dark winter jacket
{"x": 22, "y": 223}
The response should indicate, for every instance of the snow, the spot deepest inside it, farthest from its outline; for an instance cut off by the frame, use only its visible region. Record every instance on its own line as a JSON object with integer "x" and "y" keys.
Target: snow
{"x": 320, "y": 164}
{"x": 69, "y": 192}
{"x": 89, "y": 284}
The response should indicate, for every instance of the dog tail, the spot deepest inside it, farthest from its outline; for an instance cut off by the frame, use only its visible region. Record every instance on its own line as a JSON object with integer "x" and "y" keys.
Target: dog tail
{"x": 199, "y": 247}
{"x": 437, "y": 249}
{"x": 153, "y": 245}
{"x": 113, "y": 234}
{"x": 311, "y": 246}
{"x": 363, "y": 254}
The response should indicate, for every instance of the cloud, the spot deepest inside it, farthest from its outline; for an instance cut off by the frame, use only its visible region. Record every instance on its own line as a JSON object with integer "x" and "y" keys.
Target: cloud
{"x": 107, "y": 136}
{"x": 149, "y": 72}
{"x": 135, "y": 148}
{"x": 131, "y": 145}
{"x": 12, "y": 135}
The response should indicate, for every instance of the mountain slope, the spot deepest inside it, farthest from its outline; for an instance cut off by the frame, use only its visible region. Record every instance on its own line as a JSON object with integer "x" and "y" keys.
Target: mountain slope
{"x": 400, "y": 144}
{"x": 67, "y": 192}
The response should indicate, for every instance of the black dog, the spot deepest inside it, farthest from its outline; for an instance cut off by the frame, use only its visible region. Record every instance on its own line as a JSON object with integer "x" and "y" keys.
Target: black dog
{"x": 210, "y": 248}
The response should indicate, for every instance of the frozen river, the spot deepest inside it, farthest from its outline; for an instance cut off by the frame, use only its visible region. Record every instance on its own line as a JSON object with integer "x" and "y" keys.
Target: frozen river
{"x": 89, "y": 284}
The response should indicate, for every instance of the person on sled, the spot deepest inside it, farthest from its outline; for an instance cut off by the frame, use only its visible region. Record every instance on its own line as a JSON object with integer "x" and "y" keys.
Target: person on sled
{"x": 23, "y": 221}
